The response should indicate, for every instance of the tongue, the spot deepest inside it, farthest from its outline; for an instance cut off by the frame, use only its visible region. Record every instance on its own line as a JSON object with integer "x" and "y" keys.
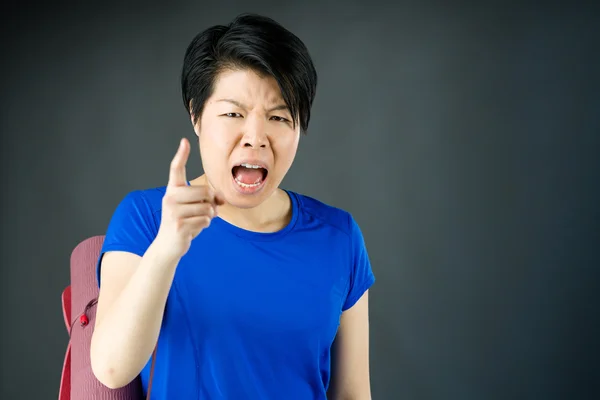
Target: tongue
{"x": 248, "y": 176}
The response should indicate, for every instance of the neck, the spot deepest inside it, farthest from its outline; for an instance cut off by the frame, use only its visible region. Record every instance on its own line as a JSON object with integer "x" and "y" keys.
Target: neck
{"x": 271, "y": 215}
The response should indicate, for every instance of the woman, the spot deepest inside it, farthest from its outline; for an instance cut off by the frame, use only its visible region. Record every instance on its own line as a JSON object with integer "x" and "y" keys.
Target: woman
{"x": 246, "y": 290}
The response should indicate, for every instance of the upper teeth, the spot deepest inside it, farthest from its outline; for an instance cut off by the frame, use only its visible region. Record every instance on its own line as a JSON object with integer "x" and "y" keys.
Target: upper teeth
{"x": 251, "y": 166}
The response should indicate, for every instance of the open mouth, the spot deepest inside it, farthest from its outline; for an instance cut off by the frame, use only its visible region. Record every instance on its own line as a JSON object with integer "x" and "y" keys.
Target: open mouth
{"x": 249, "y": 176}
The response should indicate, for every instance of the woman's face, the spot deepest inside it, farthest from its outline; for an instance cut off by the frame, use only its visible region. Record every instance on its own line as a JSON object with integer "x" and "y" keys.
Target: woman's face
{"x": 247, "y": 138}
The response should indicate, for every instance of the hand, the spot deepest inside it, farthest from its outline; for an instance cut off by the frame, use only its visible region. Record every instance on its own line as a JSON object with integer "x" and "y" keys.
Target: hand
{"x": 186, "y": 210}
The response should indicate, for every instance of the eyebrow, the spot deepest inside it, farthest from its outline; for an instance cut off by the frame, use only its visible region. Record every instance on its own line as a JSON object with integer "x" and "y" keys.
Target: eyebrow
{"x": 240, "y": 105}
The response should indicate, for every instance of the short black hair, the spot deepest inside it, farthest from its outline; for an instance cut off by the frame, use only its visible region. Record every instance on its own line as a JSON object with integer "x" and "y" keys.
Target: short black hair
{"x": 254, "y": 42}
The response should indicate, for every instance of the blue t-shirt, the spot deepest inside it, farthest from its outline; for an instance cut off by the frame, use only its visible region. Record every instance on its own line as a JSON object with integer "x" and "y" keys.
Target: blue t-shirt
{"x": 250, "y": 315}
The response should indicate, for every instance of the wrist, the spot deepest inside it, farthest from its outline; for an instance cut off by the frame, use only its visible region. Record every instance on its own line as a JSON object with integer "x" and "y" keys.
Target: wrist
{"x": 164, "y": 252}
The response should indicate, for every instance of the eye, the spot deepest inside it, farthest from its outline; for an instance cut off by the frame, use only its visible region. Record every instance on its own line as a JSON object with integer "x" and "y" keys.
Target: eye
{"x": 233, "y": 115}
{"x": 279, "y": 119}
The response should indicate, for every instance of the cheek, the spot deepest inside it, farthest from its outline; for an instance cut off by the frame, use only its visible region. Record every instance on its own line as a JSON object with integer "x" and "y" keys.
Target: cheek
{"x": 285, "y": 151}
{"x": 215, "y": 142}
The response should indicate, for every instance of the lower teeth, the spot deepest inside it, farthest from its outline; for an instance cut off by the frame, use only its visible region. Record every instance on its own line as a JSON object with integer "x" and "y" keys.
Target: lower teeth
{"x": 246, "y": 185}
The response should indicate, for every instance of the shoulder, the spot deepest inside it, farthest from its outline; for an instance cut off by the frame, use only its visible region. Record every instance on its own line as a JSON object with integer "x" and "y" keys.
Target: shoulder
{"x": 137, "y": 217}
{"x": 137, "y": 208}
{"x": 144, "y": 200}
{"x": 333, "y": 216}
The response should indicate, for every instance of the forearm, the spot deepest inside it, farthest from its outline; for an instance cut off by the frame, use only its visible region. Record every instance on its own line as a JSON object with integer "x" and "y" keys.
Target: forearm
{"x": 125, "y": 337}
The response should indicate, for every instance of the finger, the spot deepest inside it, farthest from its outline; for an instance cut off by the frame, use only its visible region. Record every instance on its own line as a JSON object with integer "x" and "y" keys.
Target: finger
{"x": 195, "y": 210}
{"x": 196, "y": 224}
{"x": 190, "y": 194}
{"x": 177, "y": 175}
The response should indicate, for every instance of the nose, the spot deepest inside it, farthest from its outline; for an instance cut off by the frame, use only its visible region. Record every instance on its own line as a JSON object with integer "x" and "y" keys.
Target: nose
{"x": 255, "y": 135}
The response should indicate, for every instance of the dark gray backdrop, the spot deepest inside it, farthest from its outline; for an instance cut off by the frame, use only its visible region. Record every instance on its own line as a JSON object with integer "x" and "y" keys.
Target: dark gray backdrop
{"x": 463, "y": 139}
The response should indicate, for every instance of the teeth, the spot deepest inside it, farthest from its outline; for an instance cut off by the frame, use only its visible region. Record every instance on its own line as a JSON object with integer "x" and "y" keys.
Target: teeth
{"x": 247, "y": 185}
{"x": 251, "y": 166}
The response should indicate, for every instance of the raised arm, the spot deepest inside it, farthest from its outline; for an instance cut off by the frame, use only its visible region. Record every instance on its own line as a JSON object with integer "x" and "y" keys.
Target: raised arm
{"x": 134, "y": 289}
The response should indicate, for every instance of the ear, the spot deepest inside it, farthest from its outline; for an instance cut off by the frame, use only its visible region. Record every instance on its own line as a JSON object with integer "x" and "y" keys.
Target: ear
{"x": 197, "y": 132}
{"x": 195, "y": 124}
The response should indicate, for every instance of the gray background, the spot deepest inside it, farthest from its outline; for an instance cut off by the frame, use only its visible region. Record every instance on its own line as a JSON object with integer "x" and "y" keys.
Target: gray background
{"x": 463, "y": 139}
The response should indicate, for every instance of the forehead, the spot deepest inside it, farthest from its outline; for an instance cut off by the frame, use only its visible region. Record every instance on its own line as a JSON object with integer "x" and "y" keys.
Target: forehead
{"x": 247, "y": 86}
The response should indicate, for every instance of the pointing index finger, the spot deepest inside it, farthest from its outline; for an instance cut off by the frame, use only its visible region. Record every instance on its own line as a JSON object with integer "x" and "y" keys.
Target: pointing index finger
{"x": 177, "y": 174}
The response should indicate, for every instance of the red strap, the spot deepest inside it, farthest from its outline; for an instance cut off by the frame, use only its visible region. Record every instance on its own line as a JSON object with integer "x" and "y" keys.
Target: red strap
{"x": 66, "y": 306}
{"x": 64, "y": 392}
{"x": 151, "y": 373}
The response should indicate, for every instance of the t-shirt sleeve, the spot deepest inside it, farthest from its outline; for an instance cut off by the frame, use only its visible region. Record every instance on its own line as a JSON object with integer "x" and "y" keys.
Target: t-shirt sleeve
{"x": 132, "y": 228}
{"x": 361, "y": 277}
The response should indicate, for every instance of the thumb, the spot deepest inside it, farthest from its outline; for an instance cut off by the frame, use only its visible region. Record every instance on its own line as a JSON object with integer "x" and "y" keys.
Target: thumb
{"x": 177, "y": 175}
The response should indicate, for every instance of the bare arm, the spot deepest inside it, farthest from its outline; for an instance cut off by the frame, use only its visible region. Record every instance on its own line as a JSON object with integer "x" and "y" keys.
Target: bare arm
{"x": 350, "y": 378}
{"x": 129, "y": 313}
{"x": 134, "y": 289}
